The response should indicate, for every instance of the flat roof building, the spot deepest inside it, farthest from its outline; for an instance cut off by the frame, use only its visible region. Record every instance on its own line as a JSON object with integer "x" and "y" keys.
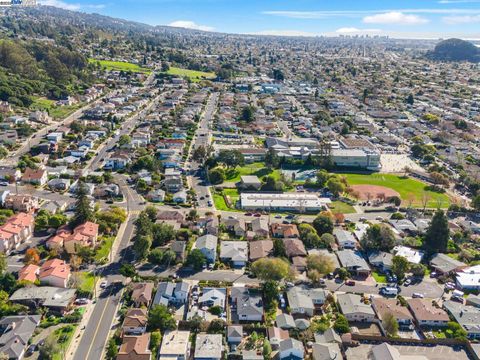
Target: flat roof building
{"x": 283, "y": 202}
{"x": 175, "y": 346}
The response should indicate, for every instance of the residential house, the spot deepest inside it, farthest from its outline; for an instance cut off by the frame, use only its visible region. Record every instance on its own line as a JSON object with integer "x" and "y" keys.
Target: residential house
{"x": 21, "y": 202}
{"x": 304, "y": 301}
{"x": 469, "y": 278}
{"x": 236, "y": 226}
{"x": 291, "y": 349}
{"x": 354, "y": 309}
{"x": 403, "y": 227}
{"x": 171, "y": 215}
{"x": 294, "y": 247}
{"x": 16, "y": 230}
{"x": 276, "y": 335}
{"x": 179, "y": 247}
{"x": 59, "y": 184}
{"x": 234, "y": 252}
{"x": 285, "y": 321}
{"x": 16, "y": 332}
{"x": 326, "y": 351}
{"x": 209, "y": 225}
{"x": 175, "y": 345}
{"x": 444, "y": 264}
{"x": 135, "y": 321}
{"x": 142, "y": 294}
{"x": 287, "y": 231}
{"x": 84, "y": 235}
{"x": 35, "y": 176}
{"x": 135, "y": 348}
{"x": 384, "y": 306}
{"x": 259, "y": 228}
{"x": 413, "y": 256}
{"x": 9, "y": 174}
{"x": 207, "y": 244}
{"x": 55, "y": 272}
{"x": 213, "y": 297}
{"x": 157, "y": 195}
{"x": 426, "y": 314}
{"x": 327, "y": 337}
{"x": 57, "y": 300}
{"x": 467, "y": 316}
{"x": 345, "y": 239}
{"x": 208, "y": 347}
{"x": 117, "y": 161}
{"x": 172, "y": 293}
{"x": 247, "y": 304}
{"x": 381, "y": 260}
{"x": 260, "y": 249}
{"x": 354, "y": 262}
{"x": 234, "y": 334}
{"x": 180, "y": 197}
{"x": 29, "y": 273}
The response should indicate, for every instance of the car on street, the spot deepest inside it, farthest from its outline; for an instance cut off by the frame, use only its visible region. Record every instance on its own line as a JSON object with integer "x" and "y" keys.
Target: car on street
{"x": 248, "y": 214}
{"x": 350, "y": 283}
{"x": 278, "y": 216}
{"x": 104, "y": 284}
{"x": 209, "y": 203}
{"x": 407, "y": 282}
{"x": 449, "y": 286}
{"x": 31, "y": 349}
{"x": 257, "y": 215}
{"x": 417, "y": 295}
{"x": 3, "y": 183}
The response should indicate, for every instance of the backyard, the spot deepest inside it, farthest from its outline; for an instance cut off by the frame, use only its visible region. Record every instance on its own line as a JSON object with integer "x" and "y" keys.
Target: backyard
{"x": 57, "y": 112}
{"x": 339, "y": 207}
{"x": 219, "y": 200}
{"x": 257, "y": 169}
{"x": 409, "y": 189}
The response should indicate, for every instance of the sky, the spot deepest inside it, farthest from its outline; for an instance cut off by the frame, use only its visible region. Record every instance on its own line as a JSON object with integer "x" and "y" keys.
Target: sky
{"x": 396, "y": 18}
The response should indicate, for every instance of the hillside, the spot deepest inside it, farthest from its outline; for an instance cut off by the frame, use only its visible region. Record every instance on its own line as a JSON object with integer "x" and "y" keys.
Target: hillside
{"x": 455, "y": 50}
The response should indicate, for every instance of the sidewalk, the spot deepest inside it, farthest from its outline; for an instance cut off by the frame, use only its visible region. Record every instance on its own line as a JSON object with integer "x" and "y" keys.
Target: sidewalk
{"x": 78, "y": 331}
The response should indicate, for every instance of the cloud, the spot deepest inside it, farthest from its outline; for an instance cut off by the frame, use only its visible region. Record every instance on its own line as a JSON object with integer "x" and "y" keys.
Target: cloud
{"x": 190, "y": 25}
{"x": 395, "y": 17}
{"x": 60, "y": 4}
{"x": 456, "y": 20}
{"x": 352, "y": 30}
{"x": 284, "y": 33}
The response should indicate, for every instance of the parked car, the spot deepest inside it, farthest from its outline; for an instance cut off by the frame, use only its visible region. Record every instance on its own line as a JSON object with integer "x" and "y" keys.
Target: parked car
{"x": 449, "y": 286}
{"x": 103, "y": 284}
{"x": 417, "y": 295}
{"x": 407, "y": 282}
{"x": 350, "y": 283}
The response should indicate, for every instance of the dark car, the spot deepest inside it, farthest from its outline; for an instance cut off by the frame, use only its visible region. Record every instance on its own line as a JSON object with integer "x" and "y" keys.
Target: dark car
{"x": 31, "y": 349}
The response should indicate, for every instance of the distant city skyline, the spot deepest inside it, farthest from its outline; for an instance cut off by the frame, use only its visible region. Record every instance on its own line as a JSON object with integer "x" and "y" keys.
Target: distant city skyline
{"x": 406, "y": 19}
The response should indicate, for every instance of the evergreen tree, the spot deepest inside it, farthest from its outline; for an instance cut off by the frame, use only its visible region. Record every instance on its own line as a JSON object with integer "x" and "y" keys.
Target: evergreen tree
{"x": 83, "y": 210}
{"x": 438, "y": 233}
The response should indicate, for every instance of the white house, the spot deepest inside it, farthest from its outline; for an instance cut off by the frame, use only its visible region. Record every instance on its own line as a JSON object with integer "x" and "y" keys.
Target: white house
{"x": 291, "y": 349}
{"x": 207, "y": 244}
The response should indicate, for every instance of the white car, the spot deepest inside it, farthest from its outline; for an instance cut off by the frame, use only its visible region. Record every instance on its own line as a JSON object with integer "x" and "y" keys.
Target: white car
{"x": 104, "y": 284}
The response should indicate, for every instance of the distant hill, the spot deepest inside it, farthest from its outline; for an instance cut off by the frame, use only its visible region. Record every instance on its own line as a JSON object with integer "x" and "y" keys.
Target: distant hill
{"x": 455, "y": 50}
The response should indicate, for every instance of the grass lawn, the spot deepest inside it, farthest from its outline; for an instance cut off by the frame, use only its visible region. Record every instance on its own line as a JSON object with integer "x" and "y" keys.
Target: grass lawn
{"x": 193, "y": 75}
{"x": 339, "y": 207}
{"x": 258, "y": 169}
{"x": 219, "y": 201}
{"x": 407, "y": 188}
{"x": 104, "y": 249}
{"x": 86, "y": 281}
{"x": 64, "y": 337}
{"x": 120, "y": 65}
{"x": 57, "y": 112}
{"x": 379, "y": 278}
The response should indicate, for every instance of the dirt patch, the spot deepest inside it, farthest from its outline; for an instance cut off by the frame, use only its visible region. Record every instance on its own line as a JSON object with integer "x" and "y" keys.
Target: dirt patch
{"x": 372, "y": 192}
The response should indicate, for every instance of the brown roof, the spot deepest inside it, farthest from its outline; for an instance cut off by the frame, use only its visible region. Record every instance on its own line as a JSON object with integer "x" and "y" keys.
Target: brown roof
{"x": 424, "y": 310}
{"x": 135, "y": 347}
{"x": 294, "y": 247}
{"x": 32, "y": 174}
{"x": 383, "y": 306}
{"x": 142, "y": 292}
{"x": 286, "y": 230}
{"x": 135, "y": 317}
{"x": 275, "y": 332}
{"x": 260, "y": 249}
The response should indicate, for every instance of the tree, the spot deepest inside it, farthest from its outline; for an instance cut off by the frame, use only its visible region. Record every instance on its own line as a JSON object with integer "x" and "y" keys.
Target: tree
{"x": 142, "y": 246}
{"x": 390, "y": 324}
{"x": 216, "y": 176}
{"x": 323, "y": 224}
{"x": 279, "y": 248}
{"x": 410, "y": 99}
{"x": 312, "y": 241}
{"x": 267, "y": 349}
{"x": 476, "y": 202}
{"x": 341, "y": 325}
{"x": 124, "y": 140}
{"x": 128, "y": 270}
{"x": 327, "y": 240}
{"x": 271, "y": 184}
{"x": 418, "y": 270}
{"x": 400, "y": 266}
{"x": 378, "y": 237}
{"x": 322, "y": 177}
{"x": 160, "y": 318}
{"x": 31, "y": 256}
{"x": 456, "y": 331}
{"x": 196, "y": 259}
{"x": 162, "y": 234}
{"x": 335, "y": 186}
{"x": 83, "y": 210}
{"x": 231, "y": 158}
{"x": 270, "y": 291}
{"x": 272, "y": 160}
{"x": 248, "y": 114}
{"x": 439, "y": 179}
{"x": 155, "y": 341}
{"x": 217, "y": 326}
{"x": 438, "y": 233}
{"x": 271, "y": 269}
{"x": 112, "y": 349}
{"x": 3, "y": 263}
{"x": 343, "y": 273}
{"x": 49, "y": 348}
{"x": 321, "y": 263}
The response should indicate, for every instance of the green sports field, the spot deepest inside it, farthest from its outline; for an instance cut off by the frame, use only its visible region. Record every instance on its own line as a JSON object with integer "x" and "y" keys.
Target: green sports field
{"x": 120, "y": 65}
{"x": 406, "y": 187}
